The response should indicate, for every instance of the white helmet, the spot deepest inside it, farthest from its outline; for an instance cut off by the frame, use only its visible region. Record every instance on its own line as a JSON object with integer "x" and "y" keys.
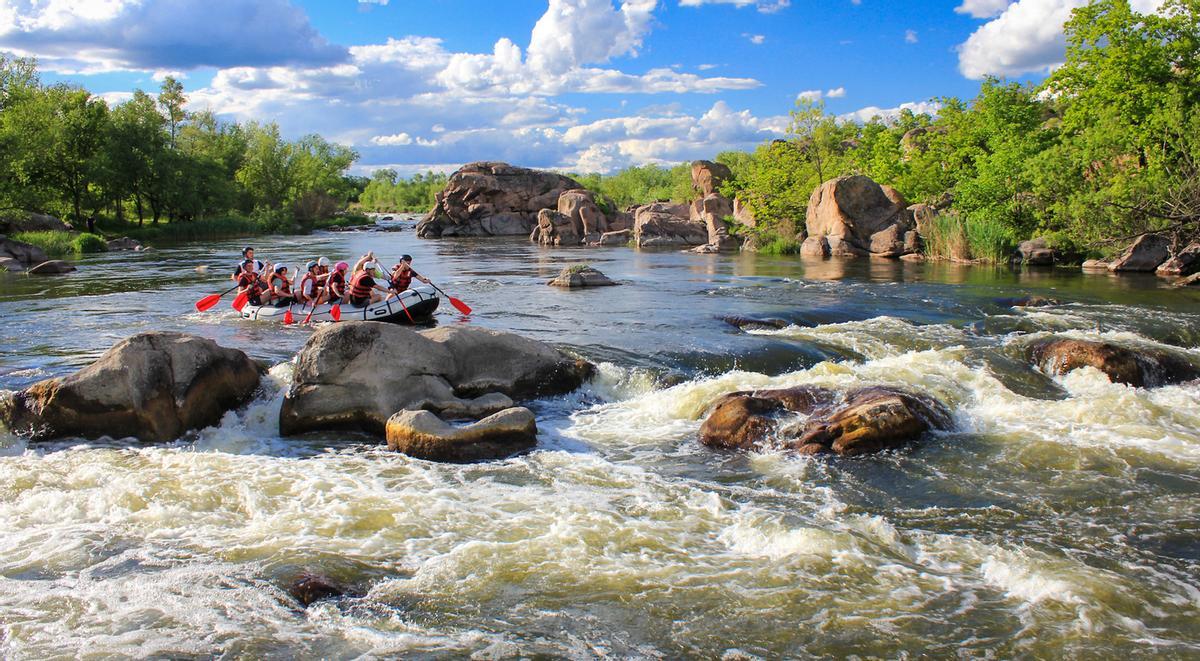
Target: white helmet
{"x": 323, "y": 261}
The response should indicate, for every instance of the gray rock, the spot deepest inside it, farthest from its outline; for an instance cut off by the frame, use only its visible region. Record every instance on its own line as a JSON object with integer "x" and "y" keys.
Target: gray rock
{"x": 12, "y": 222}
{"x": 124, "y": 243}
{"x": 25, "y": 253}
{"x": 574, "y": 277}
{"x": 1184, "y": 262}
{"x": 52, "y": 267}
{"x": 1146, "y": 253}
{"x": 152, "y": 386}
{"x": 355, "y": 375}
{"x": 493, "y": 199}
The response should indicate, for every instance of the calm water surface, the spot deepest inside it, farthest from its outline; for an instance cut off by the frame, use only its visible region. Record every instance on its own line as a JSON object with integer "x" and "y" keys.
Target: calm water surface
{"x": 1061, "y": 518}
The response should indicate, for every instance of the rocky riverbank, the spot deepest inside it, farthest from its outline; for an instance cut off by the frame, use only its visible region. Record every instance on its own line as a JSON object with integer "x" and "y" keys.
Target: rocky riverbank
{"x": 846, "y": 217}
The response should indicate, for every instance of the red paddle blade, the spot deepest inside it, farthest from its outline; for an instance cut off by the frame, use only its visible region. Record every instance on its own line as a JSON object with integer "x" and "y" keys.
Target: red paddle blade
{"x": 336, "y": 312}
{"x": 287, "y": 317}
{"x": 241, "y": 300}
{"x": 460, "y": 306}
{"x": 207, "y": 302}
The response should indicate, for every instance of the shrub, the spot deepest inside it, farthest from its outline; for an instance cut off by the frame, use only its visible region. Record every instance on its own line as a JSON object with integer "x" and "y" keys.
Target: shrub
{"x": 54, "y": 242}
{"x": 780, "y": 246}
{"x": 89, "y": 243}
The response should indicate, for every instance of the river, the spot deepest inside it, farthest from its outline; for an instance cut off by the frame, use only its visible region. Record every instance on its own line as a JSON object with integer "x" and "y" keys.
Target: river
{"x": 1061, "y": 518}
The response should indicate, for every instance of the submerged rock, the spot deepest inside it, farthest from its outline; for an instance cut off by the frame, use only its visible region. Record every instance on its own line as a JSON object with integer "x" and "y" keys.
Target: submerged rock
{"x": 310, "y": 587}
{"x": 752, "y": 323}
{"x": 124, "y": 243}
{"x": 865, "y": 421}
{"x": 355, "y": 375}
{"x": 1141, "y": 368}
{"x": 1027, "y": 302}
{"x": 871, "y": 420}
{"x": 52, "y": 267}
{"x": 574, "y": 277}
{"x": 743, "y": 420}
{"x": 152, "y": 386}
{"x": 423, "y": 435}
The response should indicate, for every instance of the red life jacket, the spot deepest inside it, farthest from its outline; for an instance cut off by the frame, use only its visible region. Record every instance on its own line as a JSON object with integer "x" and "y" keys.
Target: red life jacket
{"x": 360, "y": 288}
{"x": 401, "y": 281}
{"x": 251, "y": 283}
{"x": 337, "y": 282}
{"x": 284, "y": 286}
{"x": 308, "y": 277}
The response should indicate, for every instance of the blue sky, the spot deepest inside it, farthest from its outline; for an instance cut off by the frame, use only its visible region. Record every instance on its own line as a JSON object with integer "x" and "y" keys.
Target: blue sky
{"x": 582, "y": 85}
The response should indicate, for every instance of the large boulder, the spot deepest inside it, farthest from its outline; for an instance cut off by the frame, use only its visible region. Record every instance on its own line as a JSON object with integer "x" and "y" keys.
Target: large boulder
{"x": 1035, "y": 252}
{"x": 742, "y": 214}
{"x": 712, "y": 210}
{"x": 355, "y": 375}
{"x": 852, "y": 210}
{"x": 1146, "y": 253}
{"x": 152, "y": 386}
{"x": 864, "y": 421}
{"x": 12, "y": 222}
{"x": 579, "y": 205}
{"x": 10, "y": 265}
{"x": 124, "y": 243}
{"x": 493, "y": 199}
{"x": 871, "y": 420}
{"x": 25, "y": 253}
{"x": 1141, "y": 368}
{"x": 617, "y": 238}
{"x": 665, "y": 225}
{"x": 1184, "y": 262}
{"x": 708, "y": 176}
{"x": 423, "y": 435}
{"x": 744, "y": 420}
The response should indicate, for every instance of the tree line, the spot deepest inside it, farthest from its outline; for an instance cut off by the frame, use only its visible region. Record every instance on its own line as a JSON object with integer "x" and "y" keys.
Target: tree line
{"x": 1106, "y": 148}
{"x": 70, "y": 154}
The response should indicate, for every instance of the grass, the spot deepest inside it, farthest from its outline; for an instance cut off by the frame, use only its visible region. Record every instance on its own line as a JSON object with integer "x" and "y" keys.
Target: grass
{"x": 968, "y": 238}
{"x": 57, "y": 242}
{"x": 578, "y": 268}
{"x": 780, "y": 246}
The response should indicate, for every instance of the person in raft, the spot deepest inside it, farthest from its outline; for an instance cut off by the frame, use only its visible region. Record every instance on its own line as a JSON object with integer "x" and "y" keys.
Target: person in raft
{"x": 251, "y": 283}
{"x": 335, "y": 284}
{"x": 364, "y": 290}
{"x": 308, "y": 287}
{"x": 403, "y": 274}
{"x": 247, "y": 253}
{"x": 279, "y": 287}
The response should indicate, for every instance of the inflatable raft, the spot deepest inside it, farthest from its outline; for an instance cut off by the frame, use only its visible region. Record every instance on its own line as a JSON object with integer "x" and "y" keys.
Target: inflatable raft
{"x": 420, "y": 301}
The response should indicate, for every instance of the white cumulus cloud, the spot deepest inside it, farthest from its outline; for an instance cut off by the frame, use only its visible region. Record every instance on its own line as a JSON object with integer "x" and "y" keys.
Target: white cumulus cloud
{"x": 982, "y": 8}
{"x": 1027, "y": 37}
{"x": 109, "y": 35}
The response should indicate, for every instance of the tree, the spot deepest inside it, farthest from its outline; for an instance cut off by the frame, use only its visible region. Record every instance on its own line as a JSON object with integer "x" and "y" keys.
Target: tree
{"x": 172, "y": 99}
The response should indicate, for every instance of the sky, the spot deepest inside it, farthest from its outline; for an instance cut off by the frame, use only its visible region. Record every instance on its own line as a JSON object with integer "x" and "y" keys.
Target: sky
{"x": 576, "y": 85}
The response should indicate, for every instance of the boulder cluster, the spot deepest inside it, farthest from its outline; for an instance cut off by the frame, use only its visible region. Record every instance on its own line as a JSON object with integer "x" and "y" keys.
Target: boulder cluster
{"x": 20, "y": 257}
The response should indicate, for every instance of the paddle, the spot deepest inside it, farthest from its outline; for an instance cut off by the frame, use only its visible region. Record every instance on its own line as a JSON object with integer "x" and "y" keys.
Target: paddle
{"x": 287, "y": 317}
{"x": 406, "y": 312}
{"x": 336, "y": 312}
{"x": 458, "y": 305}
{"x": 240, "y": 301}
{"x": 209, "y": 301}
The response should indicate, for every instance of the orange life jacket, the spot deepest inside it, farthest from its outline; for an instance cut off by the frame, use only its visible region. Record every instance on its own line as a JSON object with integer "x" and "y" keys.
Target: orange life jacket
{"x": 359, "y": 288}
{"x": 401, "y": 281}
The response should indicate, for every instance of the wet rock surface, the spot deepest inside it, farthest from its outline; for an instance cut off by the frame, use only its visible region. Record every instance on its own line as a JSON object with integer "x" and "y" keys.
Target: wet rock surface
{"x": 355, "y": 375}
{"x": 423, "y": 435}
{"x": 574, "y": 277}
{"x": 1142, "y": 368}
{"x": 152, "y": 386}
{"x": 865, "y": 421}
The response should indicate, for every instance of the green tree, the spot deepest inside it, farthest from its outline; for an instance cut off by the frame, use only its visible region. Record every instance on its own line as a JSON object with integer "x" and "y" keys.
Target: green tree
{"x": 172, "y": 99}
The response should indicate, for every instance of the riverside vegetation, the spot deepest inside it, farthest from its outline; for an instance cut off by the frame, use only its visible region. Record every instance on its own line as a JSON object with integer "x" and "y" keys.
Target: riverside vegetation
{"x": 1105, "y": 149}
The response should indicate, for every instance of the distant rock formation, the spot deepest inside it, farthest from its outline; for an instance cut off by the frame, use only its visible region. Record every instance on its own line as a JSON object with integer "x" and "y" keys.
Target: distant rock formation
{"x": 854, "y": 216}
{"x": 493, "y": 199}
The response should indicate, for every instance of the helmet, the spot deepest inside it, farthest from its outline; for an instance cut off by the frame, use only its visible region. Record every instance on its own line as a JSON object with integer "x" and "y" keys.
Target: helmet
{"x": 370, "y": 266}
{"x": 406, "y": 258}
{"x": 280, "y": 268}
{"x": 310, "y": 266}
{"x": 246, "y": 250}
{"x": 341, "y": 266}
{"x": 324, "y": 261}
